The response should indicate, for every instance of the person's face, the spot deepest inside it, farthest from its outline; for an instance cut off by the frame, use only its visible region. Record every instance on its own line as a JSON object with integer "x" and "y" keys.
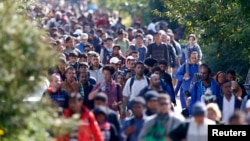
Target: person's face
{"x": 56, "y": 82}
{"x": 104, "y": 37}
{"x": 82, "y": 59}
{"x": 109, "y": 43}
{"x": 194, "y": 58}
{"x": 116, "y": 51}
{"x": 83, "y": 69}
{"x": 106, "y": 75}
{"x": 75, "y": 104}
{"x": 135, "y": 55}
{"x": 70, "y": 75}
{"x": 211, "y": 114}
{"x": 164, "y": 105}
{"x": 199, "y": 119}
{"x": 61, "y": 65}
{"x": 85, "y": 41}
{"x": 83, "y": 78}
{"x": 120, "y": 79}
{"x": 158, "y": 73}
{"x": 99, "y": 103}
{"x": 121, "y": 36}
{"x": 72, "y": 59}
{"x": 226, "y": 88}
{"x": 165, "y": 39}
{"x": 139, "y": 69}
{"x": 157, "y": 38}
{"x": 115, "y": 66}
{"x": 204, "y": 73}
{"x": 70, "y": 43}
{"x": 59, "y": 47}
{"x": 155, "y": 81}
{"x": 238, "y": 121}
{"x": 138, "y": 40}
{"x": 149, "y": 40}
{"x": 95, "y": 61}
{"x": 221, "y": 77}
{"x": 152, "y": 104}
{"x": 130, "y": 33}
{"x": 86, "y": 49}
{"x": 131, "y": 64}
{"x": 231, "y": 77}
{"x": 163, "y": 67}
{"x": 137, "y": 109}
{"x": 87, "y": 29}
{"x": 100, "y": 118}
{"x": 191, "y": 40}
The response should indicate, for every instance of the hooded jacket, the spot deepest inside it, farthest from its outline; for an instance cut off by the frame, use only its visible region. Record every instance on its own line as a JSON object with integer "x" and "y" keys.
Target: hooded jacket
{"x": 88, "y": 130}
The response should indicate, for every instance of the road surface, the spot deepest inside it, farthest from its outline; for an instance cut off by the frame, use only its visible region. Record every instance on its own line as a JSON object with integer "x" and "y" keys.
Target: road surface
{"x": 178, "y": 108}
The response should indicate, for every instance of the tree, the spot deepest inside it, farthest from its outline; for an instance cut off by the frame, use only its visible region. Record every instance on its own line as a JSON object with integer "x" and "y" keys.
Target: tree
{"x": 223, "y": 28}
{"x": 24, "y": 57}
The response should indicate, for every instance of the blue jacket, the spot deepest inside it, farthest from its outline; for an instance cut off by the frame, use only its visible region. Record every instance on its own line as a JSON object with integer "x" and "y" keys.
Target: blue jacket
{"x": 181, "y": 72}
{"x": 138, "y": 123}
{"x": 197, "y": 92}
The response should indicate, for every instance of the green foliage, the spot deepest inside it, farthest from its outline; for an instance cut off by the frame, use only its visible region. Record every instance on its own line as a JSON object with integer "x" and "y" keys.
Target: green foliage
{"x": 139, "y": 9}
{"x": 223, "y": 27}
{"x": 24, "y": 57}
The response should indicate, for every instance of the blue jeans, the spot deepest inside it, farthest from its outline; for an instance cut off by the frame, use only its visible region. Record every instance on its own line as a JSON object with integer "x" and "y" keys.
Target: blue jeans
{"x": 183, "y": 99}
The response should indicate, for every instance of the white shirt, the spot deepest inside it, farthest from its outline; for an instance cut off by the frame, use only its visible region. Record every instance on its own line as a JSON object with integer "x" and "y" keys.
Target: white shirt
{"x": 137, "y": 86}
{"x": 151, "y": 26}
{"x": 228, "y": 108}
{"x": 198, "y": 132}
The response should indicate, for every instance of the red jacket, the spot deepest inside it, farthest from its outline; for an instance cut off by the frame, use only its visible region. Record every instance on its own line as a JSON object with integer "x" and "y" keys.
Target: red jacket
{"x": 88, "y": 130}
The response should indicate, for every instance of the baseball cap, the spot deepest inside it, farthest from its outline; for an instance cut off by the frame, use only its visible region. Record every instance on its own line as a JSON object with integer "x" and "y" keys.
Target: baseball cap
{"x": 114, "y": 60}
{"x": 130, "y": 58}
{"x": 78, "y": 32}
{"x": 84, "y": 36}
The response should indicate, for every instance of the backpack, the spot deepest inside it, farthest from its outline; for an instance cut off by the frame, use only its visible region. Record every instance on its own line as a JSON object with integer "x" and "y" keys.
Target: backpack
{"x": 157, "y": 132}
{"x": 106, "y": 56}
{"x": 132, "y": 82}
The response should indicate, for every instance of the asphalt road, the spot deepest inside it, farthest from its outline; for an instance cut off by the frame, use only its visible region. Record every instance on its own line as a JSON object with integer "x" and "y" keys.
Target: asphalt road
{"x": 178, "y": 108}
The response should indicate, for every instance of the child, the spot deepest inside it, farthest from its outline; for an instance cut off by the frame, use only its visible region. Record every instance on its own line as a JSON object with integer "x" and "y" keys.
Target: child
{"x": 108, "y": 130}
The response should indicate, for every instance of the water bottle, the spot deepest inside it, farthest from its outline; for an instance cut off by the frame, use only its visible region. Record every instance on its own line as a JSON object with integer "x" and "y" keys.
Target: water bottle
{"x": 81, "y": 91}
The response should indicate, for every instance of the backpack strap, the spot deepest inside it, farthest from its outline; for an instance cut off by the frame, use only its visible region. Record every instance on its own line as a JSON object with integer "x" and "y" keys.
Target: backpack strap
{"x": 131, "y": 83}
{"x": 148, "y": 81}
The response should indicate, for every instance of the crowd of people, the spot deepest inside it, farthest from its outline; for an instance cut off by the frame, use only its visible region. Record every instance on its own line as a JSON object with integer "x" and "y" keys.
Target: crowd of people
{"x": 123, "y": 82}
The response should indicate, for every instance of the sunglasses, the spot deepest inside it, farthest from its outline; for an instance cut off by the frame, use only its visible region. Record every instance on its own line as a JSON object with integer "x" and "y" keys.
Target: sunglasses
{"x": 86, "y": 50}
